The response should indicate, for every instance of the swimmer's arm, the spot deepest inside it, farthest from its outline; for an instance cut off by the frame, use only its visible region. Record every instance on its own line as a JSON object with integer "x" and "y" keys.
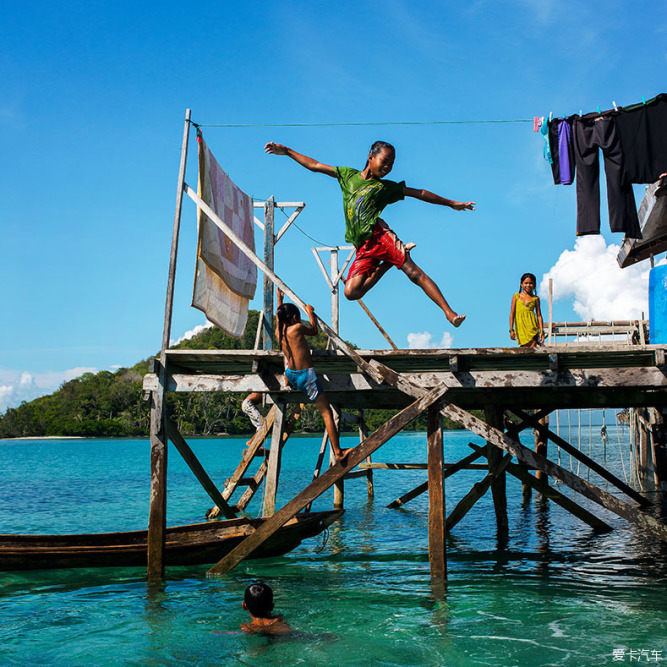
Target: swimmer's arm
{"x": 432, "y": 198}
{"x": 305, "y": 161}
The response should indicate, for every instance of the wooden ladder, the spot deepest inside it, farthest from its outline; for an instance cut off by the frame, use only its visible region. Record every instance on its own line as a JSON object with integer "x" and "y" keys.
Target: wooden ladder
{"x": 254, "y": 450}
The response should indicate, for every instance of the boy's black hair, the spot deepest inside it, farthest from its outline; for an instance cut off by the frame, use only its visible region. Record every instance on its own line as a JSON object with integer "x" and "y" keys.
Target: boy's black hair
{"x": 259, "y": 599}
{"x": 379, "y": 145}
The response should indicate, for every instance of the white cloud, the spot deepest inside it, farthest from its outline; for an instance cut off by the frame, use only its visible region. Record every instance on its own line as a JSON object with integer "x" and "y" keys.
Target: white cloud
{"x": 18, "y": 386}
{"x": 601, "y": 290}
{"x": 424, "y": 341}
{"x": 193, "y": 332}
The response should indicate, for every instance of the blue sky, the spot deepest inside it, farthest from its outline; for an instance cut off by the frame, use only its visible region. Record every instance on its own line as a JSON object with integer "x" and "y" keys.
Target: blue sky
{"x": 92, "y": 101}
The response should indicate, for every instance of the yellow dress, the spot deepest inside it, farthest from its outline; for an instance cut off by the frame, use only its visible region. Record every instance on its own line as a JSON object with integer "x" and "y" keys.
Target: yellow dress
{"x": 525, "y": 320}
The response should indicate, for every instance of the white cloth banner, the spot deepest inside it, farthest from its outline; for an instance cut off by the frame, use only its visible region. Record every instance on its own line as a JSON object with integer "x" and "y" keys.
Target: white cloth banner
{"x": 225, "y": 279}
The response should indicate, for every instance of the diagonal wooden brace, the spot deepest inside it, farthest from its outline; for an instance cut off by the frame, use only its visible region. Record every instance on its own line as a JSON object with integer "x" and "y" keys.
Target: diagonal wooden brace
{"x": 580, "y": 456}
{"x": 327, "y": 479}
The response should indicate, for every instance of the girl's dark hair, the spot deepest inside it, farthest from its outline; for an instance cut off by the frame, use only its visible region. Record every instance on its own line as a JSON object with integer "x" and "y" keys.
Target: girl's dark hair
{"x": 528, "y": 275}
{"x": 378, "y": 146}
{"x": 285, "y": 314}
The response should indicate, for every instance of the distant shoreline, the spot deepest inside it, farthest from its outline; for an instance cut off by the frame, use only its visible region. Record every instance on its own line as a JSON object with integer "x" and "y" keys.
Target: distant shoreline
{"x": 49, "y": 437}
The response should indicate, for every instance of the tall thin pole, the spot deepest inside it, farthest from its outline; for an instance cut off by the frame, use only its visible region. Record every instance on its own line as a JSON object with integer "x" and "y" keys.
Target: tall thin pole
{"x": 335, "y": 292}
{"x": 169, "y": 304}
{"x": 269, "y": 244}
{"x": 157, "y": 516}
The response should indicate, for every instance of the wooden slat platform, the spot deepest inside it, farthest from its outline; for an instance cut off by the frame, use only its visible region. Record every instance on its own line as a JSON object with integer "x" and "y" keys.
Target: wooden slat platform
{"x": 579, "y": 376}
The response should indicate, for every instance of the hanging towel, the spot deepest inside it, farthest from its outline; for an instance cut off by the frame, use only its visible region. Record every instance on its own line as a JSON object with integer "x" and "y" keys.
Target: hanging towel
{"x": 225, "y": 279}
{"x": 562, "y": 150}
{"x": 224, "y": 308}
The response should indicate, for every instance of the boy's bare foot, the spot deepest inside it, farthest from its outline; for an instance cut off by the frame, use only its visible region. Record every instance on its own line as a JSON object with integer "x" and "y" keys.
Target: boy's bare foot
{"x": 410, "y": 246}
{"x": 341, "y": 455}
{"x": 456, "y": 320}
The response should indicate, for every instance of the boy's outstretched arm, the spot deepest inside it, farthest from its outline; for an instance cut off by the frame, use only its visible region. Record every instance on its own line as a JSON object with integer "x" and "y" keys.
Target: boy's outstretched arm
{"x": 305, "y": 161}
{"x": 432, "y": 198}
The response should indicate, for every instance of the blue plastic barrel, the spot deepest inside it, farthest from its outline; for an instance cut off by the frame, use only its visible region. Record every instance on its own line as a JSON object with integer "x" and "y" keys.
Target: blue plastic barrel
{"x": 657, "y": 304}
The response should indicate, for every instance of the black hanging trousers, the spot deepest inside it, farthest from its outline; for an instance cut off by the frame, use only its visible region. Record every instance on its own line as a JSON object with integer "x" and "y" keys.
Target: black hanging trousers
{"x": 590, "y": 135}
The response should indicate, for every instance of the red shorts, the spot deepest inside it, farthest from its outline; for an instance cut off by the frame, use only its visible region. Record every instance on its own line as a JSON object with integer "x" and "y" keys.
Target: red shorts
{"x": 382, "y": 246}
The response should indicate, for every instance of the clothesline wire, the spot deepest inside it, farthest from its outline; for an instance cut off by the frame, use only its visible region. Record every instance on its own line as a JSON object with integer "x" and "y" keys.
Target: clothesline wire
{"x": 363, "y": 124}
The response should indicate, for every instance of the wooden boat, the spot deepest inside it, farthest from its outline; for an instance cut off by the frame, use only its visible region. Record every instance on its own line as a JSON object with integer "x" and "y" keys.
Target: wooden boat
{"x": 194, "y": 544}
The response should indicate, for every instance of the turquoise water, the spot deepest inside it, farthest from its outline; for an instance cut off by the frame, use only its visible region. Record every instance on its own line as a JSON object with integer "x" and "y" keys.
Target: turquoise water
{"x": 554, "y": 594}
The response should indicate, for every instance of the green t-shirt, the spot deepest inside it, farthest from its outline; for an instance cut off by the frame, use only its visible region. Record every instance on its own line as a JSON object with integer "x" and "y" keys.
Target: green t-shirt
{"x": 363, "y": 201}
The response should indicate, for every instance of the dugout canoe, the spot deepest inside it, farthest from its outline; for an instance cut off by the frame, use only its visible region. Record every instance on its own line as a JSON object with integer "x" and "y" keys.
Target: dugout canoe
{"x": 194, "y": 544}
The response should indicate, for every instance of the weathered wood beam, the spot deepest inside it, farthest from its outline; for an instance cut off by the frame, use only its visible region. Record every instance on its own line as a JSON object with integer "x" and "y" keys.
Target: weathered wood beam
{"x": 580, "y": 456}
{"x": 494, "y": 417}
{"x": 437, "y": 549}
{"x": 505, "y": 381}
{"x": 325, "y": 481}
{"x": 198, "y": 470}
{"x": 450, "y": 469}
{"x": 417, "y": 466}
{"x": 521, "y": 472}
{"x": 275, "y": 457}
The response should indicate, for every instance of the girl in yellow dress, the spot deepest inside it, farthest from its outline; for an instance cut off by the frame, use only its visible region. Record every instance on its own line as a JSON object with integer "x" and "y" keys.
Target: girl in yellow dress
{"x": 526, "y": 325}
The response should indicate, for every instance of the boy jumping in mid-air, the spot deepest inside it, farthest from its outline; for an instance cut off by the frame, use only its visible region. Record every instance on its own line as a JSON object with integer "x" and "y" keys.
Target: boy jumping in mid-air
{"x": 258, "y": 602}
{"x": 299, "y": 371}
{"x": 365, "y": 195}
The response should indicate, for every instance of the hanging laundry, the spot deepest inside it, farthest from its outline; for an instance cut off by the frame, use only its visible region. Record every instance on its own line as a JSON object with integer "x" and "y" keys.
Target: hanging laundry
{"x": 225, "y": 279}
{"x": 562, "y": 150}
{"x": 544, "y": 131}
{"x": 642, "y": 131}
{"x": 591, "y": 134}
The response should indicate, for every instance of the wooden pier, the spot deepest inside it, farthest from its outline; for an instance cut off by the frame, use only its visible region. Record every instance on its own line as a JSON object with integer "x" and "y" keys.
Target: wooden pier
{"x": 514, "y": 388}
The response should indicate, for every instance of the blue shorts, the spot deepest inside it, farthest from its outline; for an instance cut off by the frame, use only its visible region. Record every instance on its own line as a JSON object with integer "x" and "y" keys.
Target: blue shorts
{"x": 305, "y": 381}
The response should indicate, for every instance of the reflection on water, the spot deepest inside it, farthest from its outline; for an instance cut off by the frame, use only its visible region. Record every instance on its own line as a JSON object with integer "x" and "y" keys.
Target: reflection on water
{"x": 549, "y": 591}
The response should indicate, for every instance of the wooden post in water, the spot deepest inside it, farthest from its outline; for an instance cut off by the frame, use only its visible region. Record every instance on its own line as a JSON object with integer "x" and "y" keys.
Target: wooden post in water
{"x": 275, "y": 454}
{"x": 437, "y": 550}
{"x": 157, "y": 516}
{"x": 494, "y": 418}
{"x": 339, "y": 486}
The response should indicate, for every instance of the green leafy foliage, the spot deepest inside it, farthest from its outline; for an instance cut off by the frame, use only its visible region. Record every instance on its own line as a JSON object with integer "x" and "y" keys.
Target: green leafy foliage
{"x": 113, "y": 405}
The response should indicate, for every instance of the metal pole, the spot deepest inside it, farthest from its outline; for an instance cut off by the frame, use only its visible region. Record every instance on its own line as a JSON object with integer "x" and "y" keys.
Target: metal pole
{"x": 335, "y": 304}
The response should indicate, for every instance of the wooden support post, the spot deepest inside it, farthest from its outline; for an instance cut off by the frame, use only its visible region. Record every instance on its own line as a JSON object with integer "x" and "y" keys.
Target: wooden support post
{"x": 269, "y": 242}
{"x": 321, "y": 484}
{"x": 157, "y": 516}
{"x": 437, "y": 549}
{"x": 478, "y": 490}
{"x": 541, "y": 447}
{"x": 494, "y": 417}
{"x": 198, "y": 470}
{"x": 275, "y": 453}
{"x": 339, "y": 486}
{"x": 363, "y": 434}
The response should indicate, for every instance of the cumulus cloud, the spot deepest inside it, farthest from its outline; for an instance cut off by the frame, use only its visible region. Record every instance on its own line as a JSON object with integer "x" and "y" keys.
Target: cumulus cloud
{"x": 601, "y": 290}
{"x": 424, "y": 341}
{"x": 193, "y": 332}
{"x": 18, "y": 386}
